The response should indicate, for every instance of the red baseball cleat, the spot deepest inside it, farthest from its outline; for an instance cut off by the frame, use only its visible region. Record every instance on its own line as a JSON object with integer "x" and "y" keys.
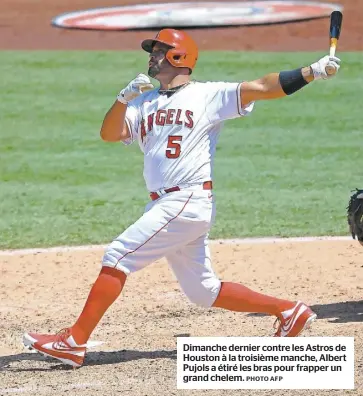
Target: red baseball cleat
{"x": 60, "y": 346}
{"x": 295, "y": 320}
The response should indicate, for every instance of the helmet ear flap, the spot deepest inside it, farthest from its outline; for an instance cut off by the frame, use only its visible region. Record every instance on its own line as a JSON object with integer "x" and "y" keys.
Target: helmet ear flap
{"x": 176, "y": 57}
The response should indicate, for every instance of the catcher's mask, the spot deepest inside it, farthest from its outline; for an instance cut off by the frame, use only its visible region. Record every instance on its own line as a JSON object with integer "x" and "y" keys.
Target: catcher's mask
{"x": 183, "y": 50}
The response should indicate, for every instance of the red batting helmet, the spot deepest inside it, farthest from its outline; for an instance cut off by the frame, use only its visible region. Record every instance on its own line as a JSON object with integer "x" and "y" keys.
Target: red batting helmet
{"x": 183, "y": 50}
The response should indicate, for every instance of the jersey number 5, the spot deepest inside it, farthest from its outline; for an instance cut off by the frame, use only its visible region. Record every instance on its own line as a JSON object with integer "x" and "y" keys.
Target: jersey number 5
{"x": 173, "y": 150}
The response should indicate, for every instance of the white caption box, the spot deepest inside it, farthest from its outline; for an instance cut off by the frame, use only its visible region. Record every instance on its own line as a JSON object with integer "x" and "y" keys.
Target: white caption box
{"x": 265, "y": 363}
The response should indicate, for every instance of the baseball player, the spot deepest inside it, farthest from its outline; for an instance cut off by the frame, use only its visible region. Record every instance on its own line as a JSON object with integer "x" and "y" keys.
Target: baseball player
{"x": 176, "y": 126}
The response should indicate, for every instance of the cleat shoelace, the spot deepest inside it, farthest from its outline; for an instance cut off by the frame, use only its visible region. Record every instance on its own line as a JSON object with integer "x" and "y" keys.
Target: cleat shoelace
{"x": 62, "y": 335}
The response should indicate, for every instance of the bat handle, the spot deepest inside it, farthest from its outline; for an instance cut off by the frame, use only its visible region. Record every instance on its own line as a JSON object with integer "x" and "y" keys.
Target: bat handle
{"x": 333, "y": 46}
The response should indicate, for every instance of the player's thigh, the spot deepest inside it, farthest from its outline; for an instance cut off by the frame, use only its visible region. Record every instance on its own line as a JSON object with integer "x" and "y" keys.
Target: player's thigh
{"x": 193, "y": 269}
{"x": 159, "y": 231}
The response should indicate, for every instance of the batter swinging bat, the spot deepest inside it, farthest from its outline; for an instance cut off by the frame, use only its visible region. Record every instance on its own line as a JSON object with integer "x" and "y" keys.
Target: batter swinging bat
{"x": 336, "y": 20}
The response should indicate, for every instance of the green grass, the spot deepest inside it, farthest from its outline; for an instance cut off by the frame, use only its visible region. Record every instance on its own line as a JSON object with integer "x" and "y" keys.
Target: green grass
{"x": 287, "y": 170}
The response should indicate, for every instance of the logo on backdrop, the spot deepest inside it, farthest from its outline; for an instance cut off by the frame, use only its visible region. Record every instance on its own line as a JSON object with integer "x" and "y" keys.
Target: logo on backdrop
{"x": 191, "y": 14}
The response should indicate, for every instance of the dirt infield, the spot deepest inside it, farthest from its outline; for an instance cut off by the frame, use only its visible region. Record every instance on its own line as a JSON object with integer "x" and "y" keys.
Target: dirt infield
{"x": 25, "y": 24}
{"x": 46, "y": 291}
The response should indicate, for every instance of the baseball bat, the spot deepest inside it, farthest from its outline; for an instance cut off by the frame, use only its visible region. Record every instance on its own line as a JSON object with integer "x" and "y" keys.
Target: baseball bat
{"x": 336, "y": 19}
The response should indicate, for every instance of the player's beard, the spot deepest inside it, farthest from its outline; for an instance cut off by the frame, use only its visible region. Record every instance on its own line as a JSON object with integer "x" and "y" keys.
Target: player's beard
{"x": 154, "y": 70}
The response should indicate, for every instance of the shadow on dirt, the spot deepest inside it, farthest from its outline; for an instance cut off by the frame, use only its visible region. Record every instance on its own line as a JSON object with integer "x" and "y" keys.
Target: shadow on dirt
{"x": 11, "y": 363}
{"x": 101, "y": 358}
{"x": 341, "y": 312}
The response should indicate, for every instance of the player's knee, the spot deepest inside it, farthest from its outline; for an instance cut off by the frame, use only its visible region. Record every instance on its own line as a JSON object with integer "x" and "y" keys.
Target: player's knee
{"x": 205, "y": 294}
{"x": 113, "y": 257}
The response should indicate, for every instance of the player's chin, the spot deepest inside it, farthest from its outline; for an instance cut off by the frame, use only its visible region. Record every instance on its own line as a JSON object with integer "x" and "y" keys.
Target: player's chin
{"x": 153, "y": 71}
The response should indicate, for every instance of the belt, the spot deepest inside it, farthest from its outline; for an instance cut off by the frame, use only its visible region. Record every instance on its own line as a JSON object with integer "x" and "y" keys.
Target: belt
{"x": 208, "y": 185}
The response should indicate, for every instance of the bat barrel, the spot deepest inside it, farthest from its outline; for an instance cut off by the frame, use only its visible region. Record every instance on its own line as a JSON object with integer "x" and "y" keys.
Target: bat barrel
{"x": 336, "y": 20}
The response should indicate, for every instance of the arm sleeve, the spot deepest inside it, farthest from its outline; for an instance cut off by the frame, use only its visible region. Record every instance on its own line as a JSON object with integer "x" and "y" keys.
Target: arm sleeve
{"x": 132, "y": 120}
{"x": 224, "y": 103}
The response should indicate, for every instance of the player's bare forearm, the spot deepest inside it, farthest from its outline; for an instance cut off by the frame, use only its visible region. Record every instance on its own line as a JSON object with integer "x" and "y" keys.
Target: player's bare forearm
{"x": 269, "y": 86}
{"x": 113, "y": 127}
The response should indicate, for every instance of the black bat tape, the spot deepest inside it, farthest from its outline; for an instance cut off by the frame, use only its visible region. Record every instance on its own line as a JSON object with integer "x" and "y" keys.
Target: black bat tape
{"x": 336, "y": 20}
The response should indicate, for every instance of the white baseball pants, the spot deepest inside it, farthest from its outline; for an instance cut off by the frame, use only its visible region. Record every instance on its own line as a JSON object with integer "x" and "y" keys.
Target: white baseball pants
{"x": 175, "y": 226}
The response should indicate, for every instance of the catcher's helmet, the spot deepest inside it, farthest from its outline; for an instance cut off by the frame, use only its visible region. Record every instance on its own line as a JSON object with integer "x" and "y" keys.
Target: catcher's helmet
{"x": 183, "y": 50}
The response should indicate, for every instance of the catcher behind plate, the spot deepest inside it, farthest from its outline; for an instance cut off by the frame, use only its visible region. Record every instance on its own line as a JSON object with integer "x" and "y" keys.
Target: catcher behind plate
{"x": 355, "y": 215}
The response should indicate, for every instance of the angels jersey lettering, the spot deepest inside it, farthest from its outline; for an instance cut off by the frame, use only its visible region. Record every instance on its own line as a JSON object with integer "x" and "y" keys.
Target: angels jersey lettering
{"x": 178, "y": 133}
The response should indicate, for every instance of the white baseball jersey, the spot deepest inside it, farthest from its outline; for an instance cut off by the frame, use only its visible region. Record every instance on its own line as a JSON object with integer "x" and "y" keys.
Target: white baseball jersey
{"x": 178, "y": 134}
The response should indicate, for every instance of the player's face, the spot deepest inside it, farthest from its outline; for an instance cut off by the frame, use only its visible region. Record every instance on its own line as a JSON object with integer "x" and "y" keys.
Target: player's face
{"x": 157, "y": 61}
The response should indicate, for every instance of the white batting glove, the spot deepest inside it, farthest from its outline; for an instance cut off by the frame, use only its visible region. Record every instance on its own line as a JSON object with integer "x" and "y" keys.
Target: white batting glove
{"x": 134, "y": 88}
{"x": 326, "y": 67}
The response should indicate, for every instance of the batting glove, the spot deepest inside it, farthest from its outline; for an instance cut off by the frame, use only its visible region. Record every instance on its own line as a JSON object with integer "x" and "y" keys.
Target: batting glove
{"x": 135, "y": 88}
{"x": 326, "y": 67}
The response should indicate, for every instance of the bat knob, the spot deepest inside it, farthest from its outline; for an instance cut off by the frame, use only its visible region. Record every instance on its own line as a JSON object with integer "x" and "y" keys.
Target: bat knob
{"x": 330, "y": 70}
